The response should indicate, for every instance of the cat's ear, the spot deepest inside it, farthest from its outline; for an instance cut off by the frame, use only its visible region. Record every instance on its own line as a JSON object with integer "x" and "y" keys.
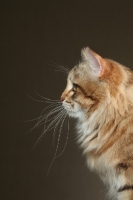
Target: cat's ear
{"x": 96, "y": 62}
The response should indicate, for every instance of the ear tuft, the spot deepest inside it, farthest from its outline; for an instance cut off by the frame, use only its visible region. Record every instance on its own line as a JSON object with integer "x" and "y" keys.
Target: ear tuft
{"x": 94, "y": 64}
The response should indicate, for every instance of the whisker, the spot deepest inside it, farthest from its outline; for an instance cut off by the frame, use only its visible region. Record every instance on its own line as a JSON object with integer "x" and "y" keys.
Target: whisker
{"x": 56, "y": 127}
{"x": 60, "y": 66}
{"x": 41, "y": 118}
{"x": 62, "y": 70}
{"x": 56, "y": 117}
{"x": 49, "y": 100}
{"x": 45, "y": 117}
{"x": 50, "y": 126}
{"x": 53, "y": 118}
{"x": 50, "y": 106}
{"x": 57, "y": 145}
{"x": 35, "y": 99}
{"x": 59, "y": 108}
{"x": 65, "y": 142}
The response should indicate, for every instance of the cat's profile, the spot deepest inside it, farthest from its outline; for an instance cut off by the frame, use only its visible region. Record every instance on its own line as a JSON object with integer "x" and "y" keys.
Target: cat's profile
{"x": 99, "y": 94}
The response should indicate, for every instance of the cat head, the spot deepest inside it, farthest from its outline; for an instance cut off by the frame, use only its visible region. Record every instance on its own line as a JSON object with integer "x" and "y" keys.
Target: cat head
{"x": 92, "y": 83}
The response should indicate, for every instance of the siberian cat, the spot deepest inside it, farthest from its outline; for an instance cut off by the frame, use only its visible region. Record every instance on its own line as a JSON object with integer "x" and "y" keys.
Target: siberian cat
{"x": 99, "y": 94}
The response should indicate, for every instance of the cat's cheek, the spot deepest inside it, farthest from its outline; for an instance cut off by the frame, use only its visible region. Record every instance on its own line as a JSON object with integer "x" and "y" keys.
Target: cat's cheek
{"x": 77, "y": 111}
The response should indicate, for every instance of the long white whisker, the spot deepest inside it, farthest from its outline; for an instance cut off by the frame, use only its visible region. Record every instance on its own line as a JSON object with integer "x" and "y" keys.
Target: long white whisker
{"x": 49, "y": 100}
{"x": 60, "y": 66}
{"x": 51, "y": 119}
{"x": 48, "y": 107}
{"x": 40, "y": 114}
{"x": 35, "y": 99}
{"x": 57, "y": 109}
{"x": 56, "y": 127}
{"x": 61, "y": 69}
{"x": 45, "y": 118}
{"x": 50, "y": 126}
{"x": 54, "y": 118}
{"x": 57, "y": 144}
{"x": 42, "y": 118}
{"x": 65, "y": 142}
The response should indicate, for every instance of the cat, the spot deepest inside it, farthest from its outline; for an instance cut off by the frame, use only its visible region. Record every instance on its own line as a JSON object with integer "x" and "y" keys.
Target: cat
{"x": 99, "y": 94}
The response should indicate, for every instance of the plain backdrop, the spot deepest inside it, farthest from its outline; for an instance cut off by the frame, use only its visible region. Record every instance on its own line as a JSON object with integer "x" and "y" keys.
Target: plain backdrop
{"x": 36, "y": 34}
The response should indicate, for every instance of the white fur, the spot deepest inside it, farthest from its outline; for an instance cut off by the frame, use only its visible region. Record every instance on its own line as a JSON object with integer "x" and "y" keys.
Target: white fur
{"x": 87, "y": 128}
{"x": 85, "y": 133}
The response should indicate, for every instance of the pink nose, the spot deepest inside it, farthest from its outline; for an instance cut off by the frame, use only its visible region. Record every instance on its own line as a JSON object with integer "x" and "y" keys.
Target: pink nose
{"x": 61, "y": 99}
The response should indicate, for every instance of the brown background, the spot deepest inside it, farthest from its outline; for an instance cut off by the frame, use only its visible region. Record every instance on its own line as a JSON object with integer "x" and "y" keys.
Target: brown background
{"x": 34, "y": 33}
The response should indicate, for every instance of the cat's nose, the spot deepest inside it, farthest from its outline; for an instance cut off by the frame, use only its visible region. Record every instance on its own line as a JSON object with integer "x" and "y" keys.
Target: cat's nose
{"x": 61, "y": 99}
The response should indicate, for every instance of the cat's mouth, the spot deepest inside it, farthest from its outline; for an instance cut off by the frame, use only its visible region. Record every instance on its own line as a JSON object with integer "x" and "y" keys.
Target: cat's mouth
{"x": 69, "y": 107}
{"x": 69, "y": 111}
{"x": 73, "y": 110}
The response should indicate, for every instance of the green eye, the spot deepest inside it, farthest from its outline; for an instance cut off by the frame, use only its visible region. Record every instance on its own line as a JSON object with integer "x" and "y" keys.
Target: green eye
{"x": 74, "y": 87}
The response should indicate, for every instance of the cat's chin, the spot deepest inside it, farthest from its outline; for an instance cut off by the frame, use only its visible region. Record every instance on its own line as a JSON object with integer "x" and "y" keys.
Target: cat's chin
{"x": 72, "y": 115}
{"x": 76, "y": 115}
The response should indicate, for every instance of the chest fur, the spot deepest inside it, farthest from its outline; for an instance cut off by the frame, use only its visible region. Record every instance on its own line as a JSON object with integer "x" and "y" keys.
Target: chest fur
{"x": 104, "y": 164}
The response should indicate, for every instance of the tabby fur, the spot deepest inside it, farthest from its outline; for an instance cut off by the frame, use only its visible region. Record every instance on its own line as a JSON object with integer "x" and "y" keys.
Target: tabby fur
{"x": 99, "y": 94}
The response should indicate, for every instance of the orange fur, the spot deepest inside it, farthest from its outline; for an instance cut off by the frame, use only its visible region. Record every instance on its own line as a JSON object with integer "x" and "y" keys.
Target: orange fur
{"x": 103, "y": 105}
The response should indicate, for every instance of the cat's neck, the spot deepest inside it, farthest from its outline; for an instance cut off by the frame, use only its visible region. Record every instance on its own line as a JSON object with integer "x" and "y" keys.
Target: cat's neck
{"x": 100, "y": 124}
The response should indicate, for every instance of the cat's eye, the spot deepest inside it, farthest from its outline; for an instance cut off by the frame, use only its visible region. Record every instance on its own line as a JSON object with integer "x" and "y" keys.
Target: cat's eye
{"x": 74, "y": 87}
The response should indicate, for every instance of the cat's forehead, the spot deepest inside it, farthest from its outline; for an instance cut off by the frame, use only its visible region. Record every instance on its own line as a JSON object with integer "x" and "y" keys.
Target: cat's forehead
{"x": 77, "y": 73}
{"x": 74, "y": 73}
